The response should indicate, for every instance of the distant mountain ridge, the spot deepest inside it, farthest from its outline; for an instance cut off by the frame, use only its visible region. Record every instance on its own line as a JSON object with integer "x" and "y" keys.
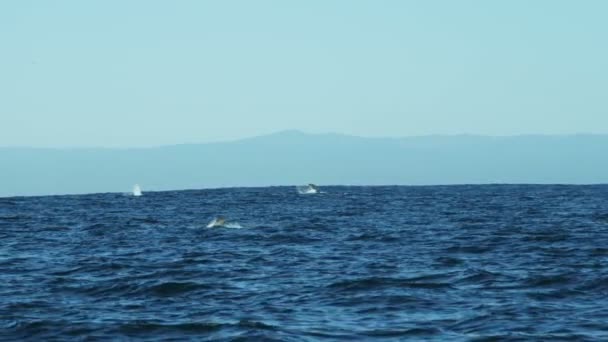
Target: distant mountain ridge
{"x": 293, "y": 157}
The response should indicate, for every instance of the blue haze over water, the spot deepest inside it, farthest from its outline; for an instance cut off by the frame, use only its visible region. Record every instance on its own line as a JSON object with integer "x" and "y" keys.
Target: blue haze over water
{"x": 294, "y": 157}
{"x": 479, "y": 262}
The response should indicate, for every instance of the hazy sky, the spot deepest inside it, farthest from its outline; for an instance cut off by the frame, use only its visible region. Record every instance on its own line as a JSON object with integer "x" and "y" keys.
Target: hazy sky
{"x": 133, "y": 73}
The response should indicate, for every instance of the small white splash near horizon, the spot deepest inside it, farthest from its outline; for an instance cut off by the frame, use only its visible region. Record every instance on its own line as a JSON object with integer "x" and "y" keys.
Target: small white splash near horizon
{"x": 137, "y": 190}
{"x": 307, "y": 189}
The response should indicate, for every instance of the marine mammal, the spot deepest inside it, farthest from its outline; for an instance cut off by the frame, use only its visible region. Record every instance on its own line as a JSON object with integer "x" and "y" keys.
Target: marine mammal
{"x": 217, "y": 222}
{"x": 222, "y": 222}
{"x": 308, "y": 189}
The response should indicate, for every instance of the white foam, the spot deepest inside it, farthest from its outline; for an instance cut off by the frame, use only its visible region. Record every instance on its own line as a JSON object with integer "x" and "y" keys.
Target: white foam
{"x": 306, "y": 190}
{"x": 233, "y": 225}
{"x": 136, "y": 190}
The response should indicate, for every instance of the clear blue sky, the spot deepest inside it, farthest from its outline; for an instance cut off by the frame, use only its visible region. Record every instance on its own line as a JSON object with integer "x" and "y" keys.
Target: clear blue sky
{"x": 137, "y": 73}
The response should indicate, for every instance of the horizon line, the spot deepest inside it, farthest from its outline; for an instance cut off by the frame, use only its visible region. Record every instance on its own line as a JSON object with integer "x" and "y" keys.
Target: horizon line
{"x": 300, "y": 132}
{"x": 127, "y": 193}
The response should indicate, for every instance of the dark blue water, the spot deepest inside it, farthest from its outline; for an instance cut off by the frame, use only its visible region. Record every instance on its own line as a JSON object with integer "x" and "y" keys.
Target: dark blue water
{"x": 354, "y": 263}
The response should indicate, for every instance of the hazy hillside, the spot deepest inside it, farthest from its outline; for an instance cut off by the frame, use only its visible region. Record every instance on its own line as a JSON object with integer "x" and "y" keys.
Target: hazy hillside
{"x": 293, "y": 158}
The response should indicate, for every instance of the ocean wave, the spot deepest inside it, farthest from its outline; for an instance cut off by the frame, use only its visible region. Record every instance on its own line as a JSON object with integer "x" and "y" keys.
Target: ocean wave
{"x": 372, "y": 283}
{"x": 377, "y": 263}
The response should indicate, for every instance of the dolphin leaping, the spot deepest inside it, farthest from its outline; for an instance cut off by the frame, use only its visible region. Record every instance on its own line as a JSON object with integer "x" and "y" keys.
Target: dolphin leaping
{"x": 222, "y": 222}
{"x": 308, "y": 189}
{"x": 217, "y": 222}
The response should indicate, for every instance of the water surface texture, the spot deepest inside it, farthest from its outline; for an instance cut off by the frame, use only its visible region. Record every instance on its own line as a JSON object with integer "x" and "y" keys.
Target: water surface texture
{"x": 352, "y": 263}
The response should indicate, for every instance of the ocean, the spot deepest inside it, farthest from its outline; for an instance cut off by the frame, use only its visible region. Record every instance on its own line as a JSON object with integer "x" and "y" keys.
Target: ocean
{"x": 457, "y": 263}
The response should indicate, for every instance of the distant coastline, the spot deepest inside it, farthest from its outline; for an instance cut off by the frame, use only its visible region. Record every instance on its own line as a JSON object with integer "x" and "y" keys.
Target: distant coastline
{"x": 293, "y": 157}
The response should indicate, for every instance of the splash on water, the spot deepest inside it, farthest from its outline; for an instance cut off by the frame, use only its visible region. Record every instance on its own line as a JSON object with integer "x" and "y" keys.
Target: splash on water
{"x": 221, "y": 222}
{"x": 136, "y": 190}
{"x": 307, "y": 189}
